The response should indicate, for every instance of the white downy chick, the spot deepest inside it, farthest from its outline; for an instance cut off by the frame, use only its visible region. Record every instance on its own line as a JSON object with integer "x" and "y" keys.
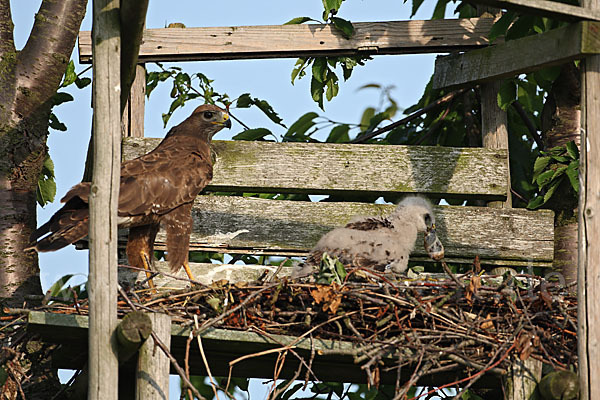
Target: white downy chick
{"x": 382, "y": 243}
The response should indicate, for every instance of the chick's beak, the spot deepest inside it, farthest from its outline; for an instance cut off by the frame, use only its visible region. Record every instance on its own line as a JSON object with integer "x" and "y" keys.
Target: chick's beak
{"x": 433, "y": 245}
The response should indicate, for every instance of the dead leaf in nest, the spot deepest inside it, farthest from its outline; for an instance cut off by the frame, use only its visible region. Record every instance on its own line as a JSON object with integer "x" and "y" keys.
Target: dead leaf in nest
{"x": 328, "y": 295}
{"x": 474, "y": 285}
{"x": 546, "y": 298}
{"x": 526, "y": 344}
{"x": 487, "y": 323}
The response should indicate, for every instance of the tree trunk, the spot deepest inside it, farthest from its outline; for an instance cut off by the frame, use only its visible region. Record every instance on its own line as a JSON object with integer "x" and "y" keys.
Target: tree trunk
{"x": 28, "y": 81}
{"x": 560, "y": 124}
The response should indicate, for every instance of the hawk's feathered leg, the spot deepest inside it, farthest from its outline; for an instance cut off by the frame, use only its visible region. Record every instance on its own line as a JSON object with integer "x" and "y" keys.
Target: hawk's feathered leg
{"x": 178, "y": 224}
{"x": 140, "y": 248}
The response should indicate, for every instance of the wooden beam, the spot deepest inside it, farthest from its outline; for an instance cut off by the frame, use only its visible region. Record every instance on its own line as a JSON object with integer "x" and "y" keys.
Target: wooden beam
{"x": 290, "y": 41}
{"x": 588, "y": 333}
{"x": 311, "y": 168}
{"x": 291, "y": 228}
{"x": 523, "y": 379}
{"x": 102, "y": 284}
{"x": 223, "y": 345}
{"x": 545, "y": 8}
{"x": 152, "y": 375}
{"x": 519, "y": 56}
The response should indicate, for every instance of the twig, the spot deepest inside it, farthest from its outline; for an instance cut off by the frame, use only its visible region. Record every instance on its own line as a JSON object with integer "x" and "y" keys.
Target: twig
{"x": 444, "y": 99}
{"x": 451, "y": 275}
{"x": 529, "y": 124}
{"x": 210, "y": 377}
{"x": 187, "y": 360}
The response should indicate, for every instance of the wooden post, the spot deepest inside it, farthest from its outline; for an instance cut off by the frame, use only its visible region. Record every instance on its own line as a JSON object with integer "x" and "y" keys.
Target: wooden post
{"x": 523, "y": 379}
{"x": 588, "y": 289}
{"x": 103, "y": 202}
{"x": 494, "y": 122}
{"x": 133, "y": 115}
{"x": 152, "y": 378}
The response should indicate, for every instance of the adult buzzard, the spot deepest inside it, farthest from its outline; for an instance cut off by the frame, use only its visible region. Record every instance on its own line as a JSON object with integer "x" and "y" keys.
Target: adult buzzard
{"x": 381, "y": 243}
{"x": 158, "y": 187}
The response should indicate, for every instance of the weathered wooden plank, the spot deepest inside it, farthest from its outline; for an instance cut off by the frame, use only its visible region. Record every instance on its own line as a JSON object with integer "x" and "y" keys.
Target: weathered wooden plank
{"x": 545, "y": 8}
{"x": 104, "y": 193}
{"x": 152, "y": 374}
{"x": 523, "y": 379}
{"x": 588, "y": 289}
{"x": 518, "y": 56}
{"x": 316, "y": 168}
{"x": 284, "y": 41}
{"x": 259, "y": 226}
{"x": 223, "y": 345}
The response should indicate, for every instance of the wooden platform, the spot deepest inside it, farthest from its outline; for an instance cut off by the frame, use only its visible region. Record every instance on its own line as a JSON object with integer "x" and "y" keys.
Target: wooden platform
{"x": 333, "y": 359}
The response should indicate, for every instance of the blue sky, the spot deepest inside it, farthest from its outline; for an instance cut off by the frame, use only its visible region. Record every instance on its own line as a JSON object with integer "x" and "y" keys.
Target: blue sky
{"x": 266, "y": 79}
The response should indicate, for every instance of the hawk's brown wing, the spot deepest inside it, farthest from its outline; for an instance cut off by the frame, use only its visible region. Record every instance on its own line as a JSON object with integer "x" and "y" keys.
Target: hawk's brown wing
{"x": 178, "y": 224}
{"x": 164, "y": 179}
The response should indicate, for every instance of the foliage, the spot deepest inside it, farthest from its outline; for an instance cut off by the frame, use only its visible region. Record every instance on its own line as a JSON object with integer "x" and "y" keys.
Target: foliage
{"x": 67, "y": 293}
{"x": 324, "y": 81}
{"x": 551, "y": 169}
{"x": 182, "y": 89}
{"x": 331, "y": 270}
{"x": 46, "y": 187}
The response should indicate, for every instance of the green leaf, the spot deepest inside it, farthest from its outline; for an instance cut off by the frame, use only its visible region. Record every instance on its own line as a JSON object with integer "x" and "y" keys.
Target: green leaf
{"x": 535, "y": 203}
{"x": 82, "y": 82}
{"x": 376, "y": 120}
{"x": 300, "y": 67}
{"x": 561, "y": 159}
{"x": 244, "y": 101}
{"x": 302, "y": 124}
{"x": 331, "y": 7}
{"x": 501, "y": 26}
{"x": 316, "y": 91}
{"x": 440, "y": 9}
{"x": 344, "y": 26}
{"x": 507, "y": 94}
{"x": 266, "y": 108}
{"x": 551, "y": 190}
{"x": 415, "y": 7}
{"x": 319, "y": 69}
{"x": 573, "y": 174}
{"x": 60, "y": 98}
{"x": 56, "y": 288}
{"x": 572, "y": 150}
{"x": 55, "y": 124}
{"x": 365, "y": 120}
{"x": 544, "y": 178}
{"x": 298, "y": 20}
{"x": 539, "y": 165}
{"x": 339, "y": 134}
{"x": 332, "y": 85}
{"x": 253, "y": 134}
{"x": 70, "y": 75}
{"x": 560, "y": 170}
{"x": 46, "y": 188}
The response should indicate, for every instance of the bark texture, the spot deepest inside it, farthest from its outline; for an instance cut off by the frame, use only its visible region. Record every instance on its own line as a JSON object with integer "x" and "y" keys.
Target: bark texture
{"x": 29, "y": 78}
{"x": 561, "y": 123}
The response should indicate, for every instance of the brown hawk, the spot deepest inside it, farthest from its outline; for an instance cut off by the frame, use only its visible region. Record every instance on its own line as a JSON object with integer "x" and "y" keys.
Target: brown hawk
{"x": 381, "y": 243}
{"x": 158, "y": 187}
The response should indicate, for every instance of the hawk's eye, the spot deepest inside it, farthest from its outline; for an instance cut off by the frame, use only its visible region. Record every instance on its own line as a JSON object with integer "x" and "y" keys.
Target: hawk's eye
{"x": 208, "y": 114}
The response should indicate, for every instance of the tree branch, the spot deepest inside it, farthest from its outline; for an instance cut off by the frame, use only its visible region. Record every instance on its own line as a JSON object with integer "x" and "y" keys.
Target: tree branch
{"x": 133, "y": 17}
{"x": 529, "y": 124}
{"x": 45, "y": 57}
{"x": 7, "y": 42}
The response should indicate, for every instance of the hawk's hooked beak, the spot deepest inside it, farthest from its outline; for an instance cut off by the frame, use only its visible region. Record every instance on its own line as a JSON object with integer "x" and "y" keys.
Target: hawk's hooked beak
{"x": 225, "y": 121}
{"x": 433, "y": 245}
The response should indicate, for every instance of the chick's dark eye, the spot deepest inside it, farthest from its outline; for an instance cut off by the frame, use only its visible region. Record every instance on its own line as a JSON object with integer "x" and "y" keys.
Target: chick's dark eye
{"x": 428, "y": 219}
{"x": 208, "y": 114}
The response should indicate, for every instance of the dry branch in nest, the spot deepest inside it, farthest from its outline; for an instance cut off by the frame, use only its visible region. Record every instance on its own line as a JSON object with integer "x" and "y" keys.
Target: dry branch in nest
{"x": 426, "y": 325}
